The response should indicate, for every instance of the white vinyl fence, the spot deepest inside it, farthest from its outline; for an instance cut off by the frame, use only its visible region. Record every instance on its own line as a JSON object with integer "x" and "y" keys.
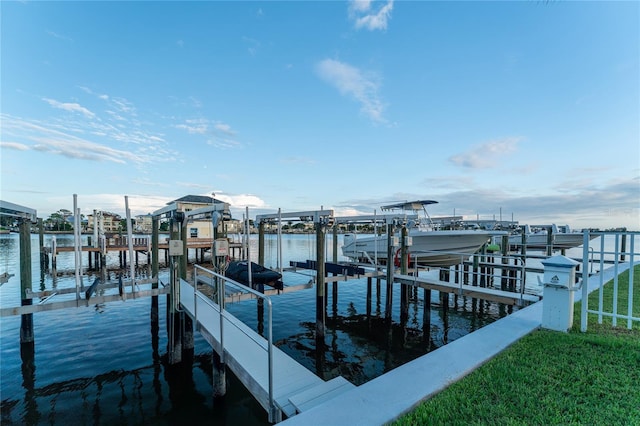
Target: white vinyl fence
{"x": 606, "y": 255}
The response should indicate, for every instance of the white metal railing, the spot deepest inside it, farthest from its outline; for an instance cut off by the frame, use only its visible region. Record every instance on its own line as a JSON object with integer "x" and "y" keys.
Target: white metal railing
{"x": 619, "y": 250}
{"x": 218, "y": 283}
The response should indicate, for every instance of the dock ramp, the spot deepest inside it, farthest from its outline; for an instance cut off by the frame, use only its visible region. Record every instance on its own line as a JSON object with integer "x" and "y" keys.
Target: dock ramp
{"x": 278, "y": 382}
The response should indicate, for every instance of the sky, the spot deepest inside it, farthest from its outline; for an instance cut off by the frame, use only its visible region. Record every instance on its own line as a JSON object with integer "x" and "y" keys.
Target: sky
{"x": 513, "y": 110}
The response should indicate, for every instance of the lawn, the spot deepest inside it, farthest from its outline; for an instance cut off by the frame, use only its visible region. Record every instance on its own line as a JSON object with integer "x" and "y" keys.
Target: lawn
{"x": 548, "y": 377}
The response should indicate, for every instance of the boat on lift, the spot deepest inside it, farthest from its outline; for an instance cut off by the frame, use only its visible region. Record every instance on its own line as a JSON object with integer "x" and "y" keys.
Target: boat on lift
{"x": 538, "y": 237}
{"x": 430, "y": 245}
{"x": 260, "y": 276}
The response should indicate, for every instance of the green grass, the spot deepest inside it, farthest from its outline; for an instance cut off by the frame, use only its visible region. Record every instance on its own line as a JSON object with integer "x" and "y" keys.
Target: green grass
{"x": 551, "y": 378}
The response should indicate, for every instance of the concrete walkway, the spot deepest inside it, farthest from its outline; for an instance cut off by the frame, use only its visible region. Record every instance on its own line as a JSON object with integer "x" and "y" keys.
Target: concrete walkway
{"x": 399, "y": 391}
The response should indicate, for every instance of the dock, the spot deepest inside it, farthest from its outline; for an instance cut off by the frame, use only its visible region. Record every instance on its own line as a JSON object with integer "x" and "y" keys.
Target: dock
{"x": 278, "y": 382}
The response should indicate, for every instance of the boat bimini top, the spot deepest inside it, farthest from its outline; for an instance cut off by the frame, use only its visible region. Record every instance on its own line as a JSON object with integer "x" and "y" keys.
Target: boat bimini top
{"x": 409, "y": 205}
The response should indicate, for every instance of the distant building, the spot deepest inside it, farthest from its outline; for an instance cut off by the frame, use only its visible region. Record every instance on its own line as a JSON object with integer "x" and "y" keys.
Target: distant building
{"x": 203, "y": 228}
{"x": 108, "y": 222}
{"x": 143, "y": 224}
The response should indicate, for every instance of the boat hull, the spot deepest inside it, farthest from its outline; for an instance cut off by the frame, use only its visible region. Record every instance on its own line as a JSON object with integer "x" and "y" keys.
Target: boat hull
{"x": 539, "y": 241}
{"x": 428, "y": 248}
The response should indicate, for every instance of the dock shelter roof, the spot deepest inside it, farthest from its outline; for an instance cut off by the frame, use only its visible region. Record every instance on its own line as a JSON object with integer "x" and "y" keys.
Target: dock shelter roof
{"x": 16, "y": 210}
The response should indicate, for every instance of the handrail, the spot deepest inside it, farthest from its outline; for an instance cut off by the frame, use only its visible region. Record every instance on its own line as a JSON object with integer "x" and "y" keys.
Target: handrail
{"x": 221, "y": 280}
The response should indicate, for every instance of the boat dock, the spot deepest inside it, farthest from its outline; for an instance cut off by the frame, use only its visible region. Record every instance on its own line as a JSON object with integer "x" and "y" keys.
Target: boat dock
{"x": 278, "y": 382}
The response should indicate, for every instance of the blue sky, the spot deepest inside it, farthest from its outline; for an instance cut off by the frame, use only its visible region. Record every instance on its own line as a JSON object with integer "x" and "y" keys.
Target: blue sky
{"x": 528, "y": 108}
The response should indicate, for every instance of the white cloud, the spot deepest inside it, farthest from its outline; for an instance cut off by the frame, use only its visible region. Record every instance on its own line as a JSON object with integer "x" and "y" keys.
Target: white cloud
{"x": 60, "y": 36}
{"x": 195, "y": 126}
{"x": 225, "y": 128}
{"x": 56, "y": 138}
{"x": 71, "y": 107}
{"x": 241, "y": 200}
{"x": 223, "y": 143}
{"x": 138, "y": 204}
{"x": 254, "y": 45}
{"x": 352, "y": 82}
{"x": 14, "y": 145}
{"x": 364, "y": 17}
{"x": 486, "y": 155}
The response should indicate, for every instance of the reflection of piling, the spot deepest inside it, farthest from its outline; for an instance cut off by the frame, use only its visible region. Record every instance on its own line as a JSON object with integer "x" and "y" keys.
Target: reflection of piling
{"x": 27, "y": 355}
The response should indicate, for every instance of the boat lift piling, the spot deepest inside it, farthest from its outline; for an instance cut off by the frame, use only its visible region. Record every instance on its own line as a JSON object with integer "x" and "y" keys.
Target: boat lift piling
{"x": 26, "y": 216}
{"x": 322, "y": 219}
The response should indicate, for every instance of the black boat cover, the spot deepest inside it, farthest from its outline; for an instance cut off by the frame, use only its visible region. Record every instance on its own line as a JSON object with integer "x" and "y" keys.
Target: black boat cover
{"x": 238, "y": 271}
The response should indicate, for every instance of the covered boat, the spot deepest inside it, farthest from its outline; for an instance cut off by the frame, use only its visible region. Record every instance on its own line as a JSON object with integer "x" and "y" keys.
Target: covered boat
{"x": 239, "y": 271}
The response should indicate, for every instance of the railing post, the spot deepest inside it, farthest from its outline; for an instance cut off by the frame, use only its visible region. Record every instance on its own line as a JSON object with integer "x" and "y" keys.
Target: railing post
{"x": 631, "y": 268}
{"x": 584, "y": 306}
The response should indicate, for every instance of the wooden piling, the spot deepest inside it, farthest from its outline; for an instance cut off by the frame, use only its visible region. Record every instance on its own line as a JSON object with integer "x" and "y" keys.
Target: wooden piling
{"x": 261, "y": 243}
{"x": 43, "y": 254}
{"x": 369, "y": 283}
{"x": 219, "y": 378}
{"x": 26, "y": 324}
{"x": 187, "y": 336}
{"x": 504, "y": 243}
{"x": 320, "y": 282}
{"x": 174, "y": 343}
{"x": 390, "y": 271}
{"x": 404, "y": 265}
{"x": 426, "y": 316}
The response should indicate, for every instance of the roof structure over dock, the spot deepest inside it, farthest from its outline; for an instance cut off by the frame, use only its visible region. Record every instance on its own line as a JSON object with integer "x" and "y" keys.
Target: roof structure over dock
{"x": 16, "y": 210}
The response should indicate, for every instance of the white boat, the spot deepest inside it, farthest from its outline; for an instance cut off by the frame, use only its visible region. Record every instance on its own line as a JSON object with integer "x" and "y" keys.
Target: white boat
{"x": 537, "y": 237}
{"x": 429, "y": 246}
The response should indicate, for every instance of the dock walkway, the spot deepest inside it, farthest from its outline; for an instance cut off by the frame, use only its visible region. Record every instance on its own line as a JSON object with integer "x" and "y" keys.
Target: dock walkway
{"x": 295, "y": 389}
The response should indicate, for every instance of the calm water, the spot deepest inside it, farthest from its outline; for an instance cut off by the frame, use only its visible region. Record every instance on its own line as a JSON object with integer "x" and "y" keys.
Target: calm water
{"x": 106, "y": 364}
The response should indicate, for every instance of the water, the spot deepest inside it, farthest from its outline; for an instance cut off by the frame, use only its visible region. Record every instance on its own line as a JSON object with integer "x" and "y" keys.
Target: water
{"x": 106, "y": 364}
